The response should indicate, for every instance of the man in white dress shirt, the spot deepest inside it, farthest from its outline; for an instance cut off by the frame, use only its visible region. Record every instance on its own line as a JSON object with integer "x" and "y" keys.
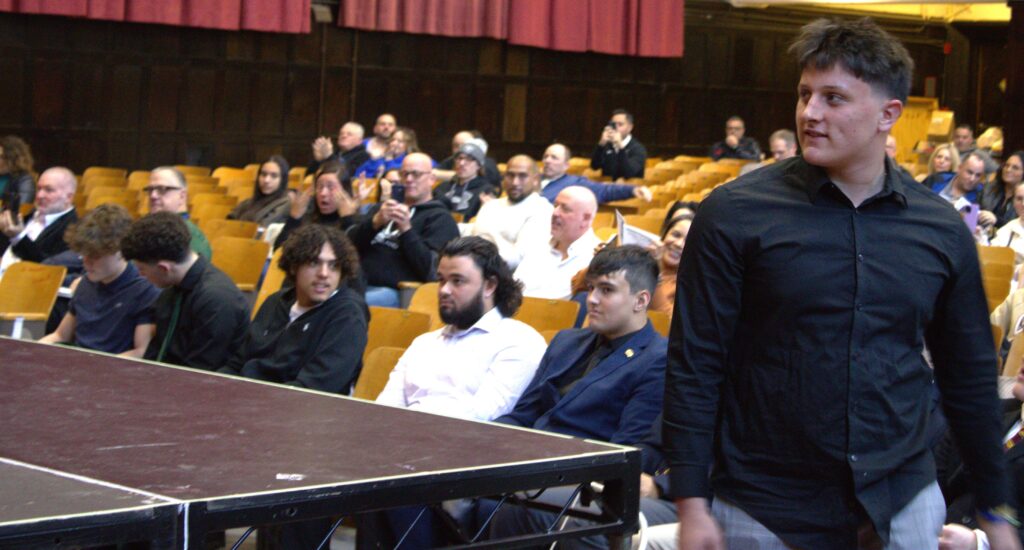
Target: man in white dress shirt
{"x": 546, "y": 272}
{"x": 41, "y": 234}
{"x": 521, "y": 220}
{"x": 478, "y": 364}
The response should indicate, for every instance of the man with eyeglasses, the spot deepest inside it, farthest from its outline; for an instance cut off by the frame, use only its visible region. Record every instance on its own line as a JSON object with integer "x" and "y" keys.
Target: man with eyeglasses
{"x": 618, "y": 155}
{"x": 168, "y": 192}
{"x": 519, "y": 221}
{"x": 736, "y": 145}
{"x": 399, "y": 239}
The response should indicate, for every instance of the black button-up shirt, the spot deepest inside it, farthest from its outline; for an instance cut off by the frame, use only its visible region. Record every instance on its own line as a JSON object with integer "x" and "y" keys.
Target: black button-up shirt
{"x": 795, "y": 354}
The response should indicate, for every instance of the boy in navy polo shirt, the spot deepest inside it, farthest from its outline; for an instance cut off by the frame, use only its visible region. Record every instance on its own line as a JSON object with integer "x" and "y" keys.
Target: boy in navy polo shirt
{"x": 111, "y": 309}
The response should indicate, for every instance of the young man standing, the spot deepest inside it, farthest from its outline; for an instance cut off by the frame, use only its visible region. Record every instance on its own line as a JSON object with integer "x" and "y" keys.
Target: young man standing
{"x": 807, "y": 291}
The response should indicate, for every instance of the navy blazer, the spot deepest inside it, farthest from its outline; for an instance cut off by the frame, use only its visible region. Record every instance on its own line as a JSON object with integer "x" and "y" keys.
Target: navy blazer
{"x": 604, "y": 192}
{"x": 617, "y": 401}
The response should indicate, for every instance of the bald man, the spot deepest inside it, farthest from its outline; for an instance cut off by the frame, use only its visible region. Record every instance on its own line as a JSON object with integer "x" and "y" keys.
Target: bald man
{"x": 555, "y": 178}
{"x": 350, "y": 149}
{"x": 518, "y": 222}
{"x": 41, "y": 234}
{"x": 399, "y": 241}
{"x": 547, "y": 272}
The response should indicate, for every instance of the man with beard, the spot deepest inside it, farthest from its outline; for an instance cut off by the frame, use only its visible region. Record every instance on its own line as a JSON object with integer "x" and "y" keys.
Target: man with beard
{"x": 481, "y": 361}
{"x": 519, "y": 221}
{"x": 377, "y": 144}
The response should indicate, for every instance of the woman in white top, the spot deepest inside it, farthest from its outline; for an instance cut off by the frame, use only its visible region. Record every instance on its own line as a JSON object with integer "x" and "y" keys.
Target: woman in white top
{"x": 1012, "y": 234}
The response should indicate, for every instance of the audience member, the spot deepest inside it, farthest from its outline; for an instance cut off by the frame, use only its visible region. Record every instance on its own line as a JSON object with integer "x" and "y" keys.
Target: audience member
{"x": 41, "y": 234}
{"x": 168, "y": 192}
{"x": 943, "y": 165}
{"x": 997, "y": 196}
{"x": 399, "y": 240}
{"x": 618, "y": 154}
{"x": 402, "y": 142}
{"x": 350, "y": 151}
{"x": 16, "y": 166}
{"x": 334, "y": 204}
{"x": 546, "y": 272}
{"x": 269, "y": 202}
{"x": 963, "y": 139}
{"x": 1009, "y": 316}
{"x": 736, "y": 145}
{"x": 521, "y": 220}
{"x": 1011, "y": 234}
{"x": 555, "y": 178}
{"x": 962, "y": 190}
{"x": 478, "y": 365}
{"x": 461, "y": 194}
{"x": 782, "y": 144}
{"x": 446, "y": 168}
{"x": 377, "y": 144}
{"x": 807, "y": 397}
{"x": 673, "y": 241}
{"x": 891, "y": 150}
{"x": 312, "y": 333}
{"x": 111, "y": 309}
{"x": 201, "y": 316}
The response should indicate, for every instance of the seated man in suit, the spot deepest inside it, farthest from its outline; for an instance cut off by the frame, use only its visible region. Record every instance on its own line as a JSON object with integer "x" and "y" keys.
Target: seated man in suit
{"x": 312, "y": 333}
{"x": 556, "y": 177}
{"x": 619, "y": 155}
{"x": 168, "y": 192}
{"x": 201, "y": 316}
{"x": 41, "y": 234}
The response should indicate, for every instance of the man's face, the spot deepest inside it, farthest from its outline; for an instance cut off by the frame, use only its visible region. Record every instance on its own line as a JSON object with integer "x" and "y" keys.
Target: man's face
{"x": 384, "y": 127}
{"x": 556, "y": 162}
{"x": 327, "y": 188}
{"x": 53, "y": 194}
{"x": 963, "y": 139}
{"x": 102, "y": 269}
{"x": 970, "y": 173}
{"x": 316, "y": 280}
{"x": 782, "y": 150}
{"x": 459, "y": 139}
{"x": 837, "y": 116}
{"x": 418, "y": 177}
{"x": 610, "y": 304}
{"x": 466, "y": 167}
{"x": 166, "y": 193}
{"x": 348, "y": 137}
{"x": 735, "y": 128}
{"x": 461, "y": 290}
{"x": 622, "y": 125}
{"x": 570, "y": 219}
{"x": 519, "y": 181}
{"x": 157, "y": 273}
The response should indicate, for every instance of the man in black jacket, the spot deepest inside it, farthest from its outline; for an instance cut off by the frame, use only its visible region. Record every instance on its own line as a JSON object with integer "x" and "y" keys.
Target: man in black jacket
{"x": 41, "y": 234}
{"x": 312, "y": 333}
{"x": 618, "y": 154}
{"x": 399, "y": 241}
{"x": 201, "y": 316}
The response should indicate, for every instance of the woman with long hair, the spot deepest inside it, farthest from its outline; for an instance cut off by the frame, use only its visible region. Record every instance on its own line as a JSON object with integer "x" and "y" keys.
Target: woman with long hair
{"x": 942, "y": 166}
{"x": 16, "y": 170}
{"x": 403, "y": 141}
{"x": 269, "y": 202}
{"x": 998, "y": 196}
{"x": 331, "y": 197}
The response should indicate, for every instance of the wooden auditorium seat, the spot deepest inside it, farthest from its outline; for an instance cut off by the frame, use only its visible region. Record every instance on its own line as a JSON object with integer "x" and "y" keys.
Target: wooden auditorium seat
{"x": 377, "y": 367}
{"x": 546, "y": 314}
{"x": 27, "y": 293}
{"x": 241, "y": 259}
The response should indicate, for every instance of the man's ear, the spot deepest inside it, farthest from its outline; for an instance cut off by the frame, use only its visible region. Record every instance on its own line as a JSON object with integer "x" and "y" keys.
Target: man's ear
{"x": 641, "y": 300}
{"x": 891, "y": 112}
{"x": 490, "y": 286}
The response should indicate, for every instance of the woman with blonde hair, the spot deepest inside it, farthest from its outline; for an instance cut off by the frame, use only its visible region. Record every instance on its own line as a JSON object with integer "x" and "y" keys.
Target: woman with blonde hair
{"x": 942, "y": 166}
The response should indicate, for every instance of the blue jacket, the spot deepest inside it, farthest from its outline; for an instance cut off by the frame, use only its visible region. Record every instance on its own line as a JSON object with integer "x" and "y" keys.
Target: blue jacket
{"x": 617, "y": 401}
{"x": 604, "y": 192}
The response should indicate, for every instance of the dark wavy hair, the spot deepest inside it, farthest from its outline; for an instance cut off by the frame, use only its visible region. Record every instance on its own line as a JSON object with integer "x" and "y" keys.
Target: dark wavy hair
{"x": 17, "y": 154}
{"x": 508, "y": 295}
{"x": 862, "y": 48}
{"x": 282, "y": 165}
{"x": 99, "y": 232}
{"x": 304, "y": 244}
{"x": 641, "y": 269}
{"x": 157, "y": 237}
{"x": 1000, "y": 184}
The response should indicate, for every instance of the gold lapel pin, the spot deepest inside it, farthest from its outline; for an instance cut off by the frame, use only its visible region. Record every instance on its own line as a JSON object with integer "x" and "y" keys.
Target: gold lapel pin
{"x": 629, "y": 352}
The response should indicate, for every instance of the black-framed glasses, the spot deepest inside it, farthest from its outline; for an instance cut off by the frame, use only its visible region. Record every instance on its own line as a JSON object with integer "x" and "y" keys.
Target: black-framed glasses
{"x": 414, "y": 174}
{"x": 160, "y": 189}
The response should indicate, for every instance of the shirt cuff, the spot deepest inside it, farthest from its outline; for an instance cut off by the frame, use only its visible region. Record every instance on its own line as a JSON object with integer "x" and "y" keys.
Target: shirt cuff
{"x": 982, "y": 540}
{"x": 689, "y": 481}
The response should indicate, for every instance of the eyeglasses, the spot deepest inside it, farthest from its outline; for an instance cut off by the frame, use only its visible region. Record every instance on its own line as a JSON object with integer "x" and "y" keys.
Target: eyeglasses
{"x": 414, "y": 174}
{"x": 160, "y": 189}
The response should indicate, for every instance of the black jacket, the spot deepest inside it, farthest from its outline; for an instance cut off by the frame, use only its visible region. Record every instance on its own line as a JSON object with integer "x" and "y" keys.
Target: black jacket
{"x": 49, "y": 243}
{"x": 627, "y": 163}
{"x": 465, "y": 201}
{"x": 388, "y": 257}
{"x": 321, "y": 350}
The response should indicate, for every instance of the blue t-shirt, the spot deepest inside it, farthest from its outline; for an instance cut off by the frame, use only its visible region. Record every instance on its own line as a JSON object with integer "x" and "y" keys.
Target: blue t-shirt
{"x": 106, "y": 314}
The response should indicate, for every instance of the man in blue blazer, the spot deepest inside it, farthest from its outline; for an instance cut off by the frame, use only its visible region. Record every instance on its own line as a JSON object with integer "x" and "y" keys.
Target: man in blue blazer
{"x": 555, "y": 177}
{"x": 605, "y": 381}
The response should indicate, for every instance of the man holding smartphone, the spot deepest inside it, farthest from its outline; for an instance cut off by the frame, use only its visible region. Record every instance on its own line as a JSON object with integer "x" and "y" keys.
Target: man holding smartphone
{"x": 618, "y": 154}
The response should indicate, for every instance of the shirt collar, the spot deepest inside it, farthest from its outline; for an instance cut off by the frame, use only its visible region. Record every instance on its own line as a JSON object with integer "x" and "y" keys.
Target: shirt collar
{"x": 488, "y": 322}
{"x": 626, "y": 140}
{"x": 191, "y": 278}
{"x": 814, "y": 179}
{"x": 128, "y": 275}
{"x": 50, "y": 218}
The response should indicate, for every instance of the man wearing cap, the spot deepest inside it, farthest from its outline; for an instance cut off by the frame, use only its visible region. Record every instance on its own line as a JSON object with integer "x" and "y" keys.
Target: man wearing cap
{"x": 461, "y": 194}
{"x": 446, "y": 168}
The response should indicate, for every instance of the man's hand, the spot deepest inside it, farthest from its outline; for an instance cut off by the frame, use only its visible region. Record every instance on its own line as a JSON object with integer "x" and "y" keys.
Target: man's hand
{"x": 300, "y": 202}
{"x": 392, "y": 211}
{"x": 648, "y": 488}
{"x": 642, "y": 192}
{"x": 322, "y": 148}
{"x": 1001, "y": 535}
{"x": 957, "y": 537}
{"x": 11, "y": 224}
{"x": 732, "y": 141}
{"x": 607, "y": 136}
{"x": 697, "y": 529}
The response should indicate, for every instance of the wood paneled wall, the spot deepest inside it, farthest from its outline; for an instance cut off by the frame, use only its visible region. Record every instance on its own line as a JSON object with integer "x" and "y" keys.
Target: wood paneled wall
{"x": 95, "y": 93}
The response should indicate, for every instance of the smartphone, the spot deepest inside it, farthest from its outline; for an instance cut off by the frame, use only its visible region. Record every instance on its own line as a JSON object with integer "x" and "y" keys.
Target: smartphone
{"x": 398, "y": 192}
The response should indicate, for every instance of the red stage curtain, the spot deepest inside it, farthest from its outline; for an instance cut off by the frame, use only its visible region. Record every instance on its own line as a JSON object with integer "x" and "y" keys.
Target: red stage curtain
{"x": 623, "y": 27}
{"x": 251, "y": 15}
